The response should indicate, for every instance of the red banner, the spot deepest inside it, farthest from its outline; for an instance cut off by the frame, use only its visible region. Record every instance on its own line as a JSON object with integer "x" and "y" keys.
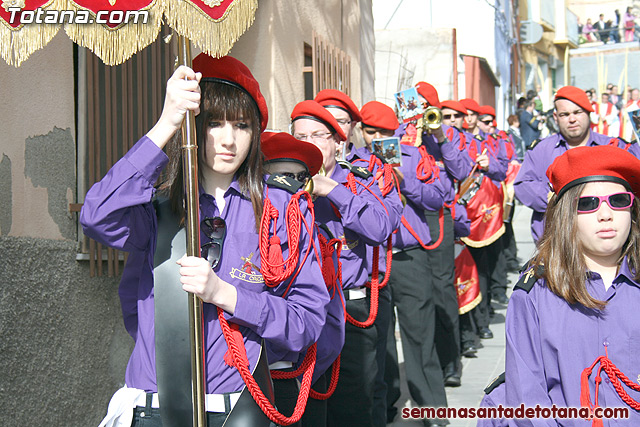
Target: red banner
{"x": 466, "y": 282}
{"x": 485, "y": 211}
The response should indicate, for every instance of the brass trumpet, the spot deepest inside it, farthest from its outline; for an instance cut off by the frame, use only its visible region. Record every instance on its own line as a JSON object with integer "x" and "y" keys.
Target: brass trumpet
{"x": 309, "y": 185}
{"x": 431, "y": 119}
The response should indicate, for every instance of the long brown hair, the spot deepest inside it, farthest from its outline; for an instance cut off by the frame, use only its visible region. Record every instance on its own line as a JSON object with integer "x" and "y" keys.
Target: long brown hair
{"x": 561, "y": 255}
{"x": 220, "y": 101}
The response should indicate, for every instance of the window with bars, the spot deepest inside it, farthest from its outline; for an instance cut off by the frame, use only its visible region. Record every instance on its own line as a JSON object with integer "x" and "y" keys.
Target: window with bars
{"x": 116, "y": 106}
{"x": 325, "y": 67}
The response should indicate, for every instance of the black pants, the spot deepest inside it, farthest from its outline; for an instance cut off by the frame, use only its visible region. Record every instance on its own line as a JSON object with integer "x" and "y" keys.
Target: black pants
{"x": 441, "y": 259}
{"x": 316, "y": 413}
{"x": 413, "y": 296}
{"x": 286, "y": 395}
{"x": 352, "y": 402}
{"x": 380, "y": 386}
{"x": 486, "y": 259}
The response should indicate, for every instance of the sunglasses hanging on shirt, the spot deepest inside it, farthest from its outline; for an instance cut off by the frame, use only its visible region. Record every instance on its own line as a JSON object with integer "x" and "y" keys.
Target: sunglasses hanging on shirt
{"x": 216, "y": 230}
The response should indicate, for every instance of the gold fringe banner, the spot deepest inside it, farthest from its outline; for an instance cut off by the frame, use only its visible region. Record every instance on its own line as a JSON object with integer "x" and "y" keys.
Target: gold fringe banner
{"x": 467, "y": 308}
{"x": 213, "y": 36}
{"x": 17, "y": 44}
{"x": 115, "y": 45}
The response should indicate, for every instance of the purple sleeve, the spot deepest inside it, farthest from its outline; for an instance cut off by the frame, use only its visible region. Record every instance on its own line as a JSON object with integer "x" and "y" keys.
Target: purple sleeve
{"x": 117, "y": 210}
{"x": 635, "y": 149}
{"x": 426, "y": 196}
{"x": 456, "y": 161}
{"x": 524, "y": 367}
{"x": 364, "y": 214}
{"x": 498, "y": 163}
{"x": 531, "y": 184}
{"x": 292, "y": 323}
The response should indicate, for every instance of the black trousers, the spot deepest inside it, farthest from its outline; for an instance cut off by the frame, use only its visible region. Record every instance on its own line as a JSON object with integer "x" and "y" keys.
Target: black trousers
{"x": 286, "y": 395}
{"x": 316, "y": 413}
{"x": 352, "y": 402}
{"x": 413, "y": 295}
{"x": 441, "y": 259}
{"x": 486, "y": 259}
{"x": 380, "y": 386}
{"x": 498, "y": 284}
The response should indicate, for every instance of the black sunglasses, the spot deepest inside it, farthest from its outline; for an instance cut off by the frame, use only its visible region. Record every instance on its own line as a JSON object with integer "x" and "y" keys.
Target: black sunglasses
{"x": 452, "y": 116}
{"x": 216, "y": 230}
{"x": 487, "y": 122}
{"x": 301, "y": 177}
{"x": 617, "y": 201}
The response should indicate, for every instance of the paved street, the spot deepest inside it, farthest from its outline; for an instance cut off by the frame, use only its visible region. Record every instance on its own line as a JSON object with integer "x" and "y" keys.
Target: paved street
{"x": 479, "y": 371}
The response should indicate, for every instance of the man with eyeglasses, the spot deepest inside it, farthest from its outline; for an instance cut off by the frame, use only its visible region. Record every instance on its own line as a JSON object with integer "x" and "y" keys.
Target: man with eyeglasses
{"x": 358, "y": 220}
{"x": 572, "y": 108}
{"x": 344, "y": 110}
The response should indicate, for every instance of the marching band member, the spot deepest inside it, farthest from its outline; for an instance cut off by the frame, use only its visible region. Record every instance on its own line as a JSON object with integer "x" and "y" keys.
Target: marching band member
{"x": 575, "y": 307}
{"x": 346, "y": 114}
{"x": 350, "y": 204}
{"x": 572, "y": 108}
{"x": 231, "y": 277}
{"x": 439, "y": 302}
{"x": 295, "y": 163}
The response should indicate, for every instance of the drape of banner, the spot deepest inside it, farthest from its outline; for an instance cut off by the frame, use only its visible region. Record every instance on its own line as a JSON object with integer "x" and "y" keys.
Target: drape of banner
{"x": 212, "y": 25}
{"x": 466, "y": 282}
{"x": 485, "y": 210}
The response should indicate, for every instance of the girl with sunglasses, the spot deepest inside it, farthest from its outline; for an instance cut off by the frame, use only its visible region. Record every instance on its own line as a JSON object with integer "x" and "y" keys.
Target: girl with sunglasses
{"x": 234, "y": 194}
{"x": 573, "y": 311}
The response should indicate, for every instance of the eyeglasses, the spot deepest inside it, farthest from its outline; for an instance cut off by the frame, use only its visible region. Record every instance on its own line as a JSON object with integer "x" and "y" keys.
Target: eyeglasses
{"x": 315, "y": 137}
{"x": 343, "y": 122}
{"x": 452, "y": 116}
{"x": 617, "y": 201}
{"x": 216, "y": 230}
{"x": 302, "y": 177}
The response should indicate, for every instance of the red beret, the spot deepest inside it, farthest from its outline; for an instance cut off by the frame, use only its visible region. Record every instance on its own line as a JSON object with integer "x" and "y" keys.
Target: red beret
{"x": 278, "y": 146}
{"x": 429, "y": 93}
{"x": 312, "y": 110}
{"x": 378, "y": 115}
{"x": 229, "y": 70}
{"x": 588, "y": 164}
{"x": 336, "y": 99}
{"x": 487, "y": 110}
{"x": 470, "y": 104}
{"x": 575, "y": 95}
{"x": 454, "y": 105}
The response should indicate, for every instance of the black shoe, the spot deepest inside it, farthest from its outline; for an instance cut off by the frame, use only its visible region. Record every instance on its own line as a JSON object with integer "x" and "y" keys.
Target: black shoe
{"x": 469, "y": 351}
{"x": 500, "y": 298}
{"x": 452, "y": 374}
{"x": 485, "y": 333}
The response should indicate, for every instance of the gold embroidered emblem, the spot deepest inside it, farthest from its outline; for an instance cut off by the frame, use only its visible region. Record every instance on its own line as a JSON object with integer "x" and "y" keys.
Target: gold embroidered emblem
{"x": 212, "y": 3}
{"x": 282, "y": 180}
{"x": 6, "y": 4}
{"x": 489, "y": 212}
{"x": 463, "y": 286}
{"x": 529, "y": 274}
{"x": 362, "y": 170}
{"x": 348, "y": 245}
{"x": 247, "y": 273}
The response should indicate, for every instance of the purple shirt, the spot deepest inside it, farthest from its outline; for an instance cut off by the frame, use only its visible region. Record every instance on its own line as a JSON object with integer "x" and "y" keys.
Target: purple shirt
{"x": 550, "y": 343}
{"x": 420, "y": 197}
{"x": 394, "y": 206}
{"x": 532, "y": 186}
{"x": 498, "y": 162}
{"x": 454, "y": 162}
{"x": 363, "y": 220}
{"x": 118, "y": 212}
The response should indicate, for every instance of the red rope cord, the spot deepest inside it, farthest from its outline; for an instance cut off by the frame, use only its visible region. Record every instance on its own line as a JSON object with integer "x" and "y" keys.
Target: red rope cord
{"x": 415, "y": 235}
{"x": 237, "y": 350}
{"x": 333, "y": 383}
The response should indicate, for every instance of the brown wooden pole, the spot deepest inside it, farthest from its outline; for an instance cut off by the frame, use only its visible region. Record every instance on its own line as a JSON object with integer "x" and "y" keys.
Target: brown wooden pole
{"x": 192, "y": 222}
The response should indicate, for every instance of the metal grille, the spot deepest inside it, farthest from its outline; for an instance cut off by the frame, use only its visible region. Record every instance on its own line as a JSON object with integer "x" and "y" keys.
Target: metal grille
{"x": 116, "y": 106}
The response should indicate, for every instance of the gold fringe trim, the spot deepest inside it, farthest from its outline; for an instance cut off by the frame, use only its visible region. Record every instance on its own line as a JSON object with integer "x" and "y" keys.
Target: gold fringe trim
{"x": 215, "y": 37}
{"x": 486, "y": 242}
{"x": 17, "y": 44}
{"x": 467, "y": 308}
{"x": 115, "y": 45}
